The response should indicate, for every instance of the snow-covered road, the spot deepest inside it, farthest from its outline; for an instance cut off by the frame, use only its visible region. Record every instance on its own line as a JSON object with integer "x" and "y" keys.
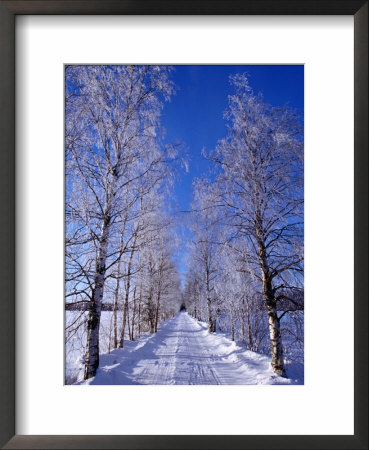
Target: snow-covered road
{"x": 183, "y": 352}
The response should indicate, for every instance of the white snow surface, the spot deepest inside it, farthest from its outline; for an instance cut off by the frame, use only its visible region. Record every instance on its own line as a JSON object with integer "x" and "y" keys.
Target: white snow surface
{"x": 184, "y": 352}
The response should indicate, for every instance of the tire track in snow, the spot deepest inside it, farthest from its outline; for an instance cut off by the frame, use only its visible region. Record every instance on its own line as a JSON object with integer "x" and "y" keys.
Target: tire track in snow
{"x": 183, "y": 352}
{"x": 184, "y": 356}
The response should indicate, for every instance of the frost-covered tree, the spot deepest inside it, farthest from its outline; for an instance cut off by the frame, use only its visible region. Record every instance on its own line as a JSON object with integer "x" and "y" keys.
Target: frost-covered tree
{"x": 193, "y": 291}
{"x": 204, "y": 247}
{"x": 159, "y": 279}
{"x": 259, "y": 189}
{"x": 112, "y": 116}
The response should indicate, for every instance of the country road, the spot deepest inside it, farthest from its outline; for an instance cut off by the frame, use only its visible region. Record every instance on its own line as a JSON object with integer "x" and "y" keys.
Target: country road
{"x": 182, "y": 352}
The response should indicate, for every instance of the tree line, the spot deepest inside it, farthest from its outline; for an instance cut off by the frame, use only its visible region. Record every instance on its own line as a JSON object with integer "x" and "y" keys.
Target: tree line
{"x": 118, "y": 241}
{"x": 246, "y": 256}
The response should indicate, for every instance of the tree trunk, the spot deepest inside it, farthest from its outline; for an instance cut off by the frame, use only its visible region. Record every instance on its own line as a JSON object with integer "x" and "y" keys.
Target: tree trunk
{"x": 208, "y": 302}
{"x": 151, "y": 311}
{"x": 242, "y": 320}
{"x": 199, "y": 309}
{"x": 125, "y": 313}
{"x": 115, "y": 309}
{"x": 151, "y": 316}
{"x": 232, "y": 324}
{"x": 157, "y": 311}
{"x": 93, "y": 324}
{"x": 248, "y": 320}
{"x": 276, "y": 342}
{"x": 273, "y": 321}
{"x": 133, "y": 315}
{"x": 128, "y": 323}
{"x": 213, "y": 328}
{"x": 139, "y": 312}
{"x": 115, "y": 331}
{"x": 128, "y": 286}
{"x": 210, "y": 319}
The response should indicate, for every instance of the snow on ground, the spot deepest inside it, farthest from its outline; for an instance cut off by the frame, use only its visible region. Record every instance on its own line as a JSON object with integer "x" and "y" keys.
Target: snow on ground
{"x": 183, "y": 352}
{"x": 75, "y": 347}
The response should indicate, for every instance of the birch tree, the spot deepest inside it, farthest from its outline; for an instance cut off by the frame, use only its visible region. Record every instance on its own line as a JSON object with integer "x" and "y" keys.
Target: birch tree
{"x": 260, "y": 191}
{"x": 112, "y": 121}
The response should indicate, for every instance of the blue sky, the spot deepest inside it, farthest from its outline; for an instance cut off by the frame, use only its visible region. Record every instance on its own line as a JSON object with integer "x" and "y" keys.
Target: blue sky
{"x": 195, "y": 114}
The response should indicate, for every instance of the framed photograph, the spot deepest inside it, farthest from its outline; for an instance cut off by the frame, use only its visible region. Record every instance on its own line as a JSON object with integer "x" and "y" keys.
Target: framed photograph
{"x": 185, "y": 206}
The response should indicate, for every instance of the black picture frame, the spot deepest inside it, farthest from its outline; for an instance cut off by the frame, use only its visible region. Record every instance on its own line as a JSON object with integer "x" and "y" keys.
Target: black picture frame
{"x": 8, "y": 12}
